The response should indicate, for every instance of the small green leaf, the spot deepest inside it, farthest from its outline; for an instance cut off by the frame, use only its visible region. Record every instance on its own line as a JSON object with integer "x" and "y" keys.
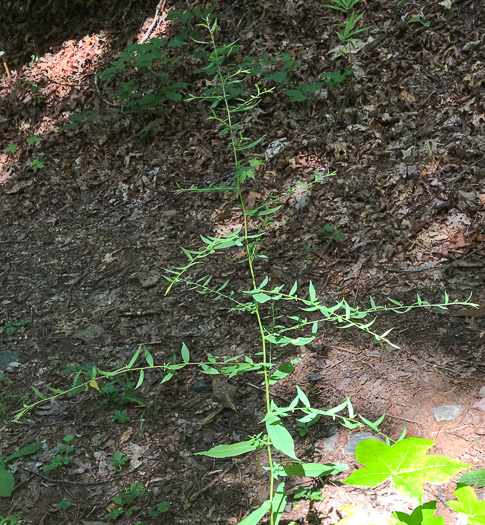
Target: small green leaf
{"x": 303, "y": 398}
{"x": 64, "y": 504}
{"x": 140, "y": 379}
{"x": 134, "y": 358}
{"x": 148, "y": 357}
{"x": 311, "y": 291}
{"x": 185, "y": 353}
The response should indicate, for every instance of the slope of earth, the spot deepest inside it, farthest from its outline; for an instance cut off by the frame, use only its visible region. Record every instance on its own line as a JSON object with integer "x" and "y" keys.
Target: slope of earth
{"x": 90, "y": 222}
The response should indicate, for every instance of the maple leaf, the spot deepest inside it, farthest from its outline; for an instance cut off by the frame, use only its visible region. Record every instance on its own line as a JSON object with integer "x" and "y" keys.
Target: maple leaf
{"x": 468, "y": 504}
{"x": 406, "y": 463}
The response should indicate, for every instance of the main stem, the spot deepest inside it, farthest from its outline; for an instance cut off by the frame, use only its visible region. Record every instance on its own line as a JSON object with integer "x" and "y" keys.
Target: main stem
{"x": 235, "y": 150}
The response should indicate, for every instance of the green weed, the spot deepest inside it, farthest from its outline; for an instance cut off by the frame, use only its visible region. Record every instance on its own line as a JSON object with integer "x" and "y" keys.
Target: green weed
{"x": 11, "y": 327}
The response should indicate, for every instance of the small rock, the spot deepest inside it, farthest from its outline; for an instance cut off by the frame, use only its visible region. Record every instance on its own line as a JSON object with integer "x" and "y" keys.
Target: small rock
{"x": 93, "y": 331}
{"x": 150, "y": 281}
{"x": 481, "y": 392}
{"x": 200, "y": 386}
{"x": 480, "y": 431}
{"x": 315, "y": 377}
{"x": 330, "y": 443}
{"x": 351, "y": 446}
{"x": 8, "y": 358}
{"x": 446, "y": 412}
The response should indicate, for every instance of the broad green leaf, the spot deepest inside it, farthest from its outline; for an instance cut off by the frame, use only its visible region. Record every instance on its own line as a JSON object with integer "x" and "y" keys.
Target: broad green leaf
{"x": 7, "y": 483}
{"x": 295, "y": 95}
{"x": 314, "y": 470}
{"x": 280, "y": 437}
{"x": 281, "y": 372}
{"x": 476, "y": 477}
{"x": 257, "y": 515}
{"x": 468, "y": 504}
{"x": 422, "y": 515}
{"x": 25, "y": 451}
{"x": 406, "y": 463}
{"x": 185, "y": 353}
{"x": 227, "y": 451}
{"x": 278, "y": 504}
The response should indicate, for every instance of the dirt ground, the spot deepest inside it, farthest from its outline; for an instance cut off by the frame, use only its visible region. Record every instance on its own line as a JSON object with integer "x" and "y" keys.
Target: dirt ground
{"x": 85, "y": 241}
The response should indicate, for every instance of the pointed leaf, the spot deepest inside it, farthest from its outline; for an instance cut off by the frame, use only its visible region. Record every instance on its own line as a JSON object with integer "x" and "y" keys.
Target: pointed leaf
{"x": 228, "y": 451}
{"x": 280, "y": 437}
{"x": 25, "y": 451}
{"x": 148, "y": 357}
{"x": 314, "y": 470}
{"x": 257, "y": 515}
{"x": 7, "y": 483}
{"x": 134, "y": 358}
{"x": 312, "y": 292}
{"x": 278, "y": 504}
{"x": 185, "y": 353}
{"x": 140, "y": 379}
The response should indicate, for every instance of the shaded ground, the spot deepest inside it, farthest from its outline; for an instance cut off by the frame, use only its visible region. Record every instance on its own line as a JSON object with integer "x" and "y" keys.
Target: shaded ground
{"x": 85, "y": 239}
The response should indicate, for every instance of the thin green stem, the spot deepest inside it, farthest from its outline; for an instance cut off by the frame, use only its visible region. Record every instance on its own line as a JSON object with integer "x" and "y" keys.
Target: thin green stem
{"x": 234, "y": 147}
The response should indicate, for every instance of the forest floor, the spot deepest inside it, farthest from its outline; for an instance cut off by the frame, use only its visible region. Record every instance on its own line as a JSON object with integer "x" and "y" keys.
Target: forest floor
{"x": 85, "y": 240}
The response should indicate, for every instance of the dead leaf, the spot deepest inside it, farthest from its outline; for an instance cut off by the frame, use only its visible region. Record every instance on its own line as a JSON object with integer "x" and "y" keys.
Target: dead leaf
{"x": 224, "y": 393}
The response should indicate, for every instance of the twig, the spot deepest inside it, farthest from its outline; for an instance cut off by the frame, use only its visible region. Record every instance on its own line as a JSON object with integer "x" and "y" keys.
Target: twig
{"x": 199, "y": 493}
{"x": 160, "y": 7}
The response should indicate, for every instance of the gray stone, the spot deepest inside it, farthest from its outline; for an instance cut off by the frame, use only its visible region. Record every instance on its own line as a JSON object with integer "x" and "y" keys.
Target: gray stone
{"x": 446, "y": 412}
{"x": 330, "y": 443}
{"x": 93, "y": 331}
{"x": 351, "y": 446}
{"x": 481, "y": 392}
{"x": 7, "y": 357}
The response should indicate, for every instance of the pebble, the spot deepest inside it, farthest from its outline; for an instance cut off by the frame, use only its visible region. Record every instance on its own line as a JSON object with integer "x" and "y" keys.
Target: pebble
{"x": 446, "y": 412}
{"x": 351, "y": 446}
